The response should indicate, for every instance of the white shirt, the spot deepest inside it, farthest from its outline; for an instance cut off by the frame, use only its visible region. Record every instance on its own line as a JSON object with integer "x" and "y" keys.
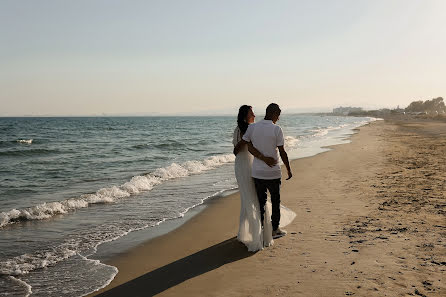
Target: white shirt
{"x": 265, "y": 136}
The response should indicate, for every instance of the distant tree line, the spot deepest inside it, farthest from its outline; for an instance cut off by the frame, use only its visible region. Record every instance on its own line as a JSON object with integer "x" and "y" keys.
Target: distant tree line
{"x": 434, "y": 106}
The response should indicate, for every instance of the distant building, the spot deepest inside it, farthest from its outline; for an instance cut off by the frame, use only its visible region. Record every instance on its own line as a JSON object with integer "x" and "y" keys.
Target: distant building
{"x": 346, "y": 110}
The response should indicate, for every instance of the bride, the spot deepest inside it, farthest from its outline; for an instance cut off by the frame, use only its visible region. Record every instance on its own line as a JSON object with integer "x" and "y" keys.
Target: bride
{"x": 250, "y": 231}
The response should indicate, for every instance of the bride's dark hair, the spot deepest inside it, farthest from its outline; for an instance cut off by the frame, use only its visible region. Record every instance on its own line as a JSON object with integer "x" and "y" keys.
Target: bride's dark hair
{"x": 241, "y": 118}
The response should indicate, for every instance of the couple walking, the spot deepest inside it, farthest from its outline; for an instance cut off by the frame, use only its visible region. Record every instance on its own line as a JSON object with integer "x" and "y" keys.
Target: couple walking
{"x": 257, "y": 147}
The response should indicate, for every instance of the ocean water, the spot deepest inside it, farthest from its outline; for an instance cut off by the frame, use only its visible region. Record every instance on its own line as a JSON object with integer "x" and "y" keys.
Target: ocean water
{"x": 69, "y": 185}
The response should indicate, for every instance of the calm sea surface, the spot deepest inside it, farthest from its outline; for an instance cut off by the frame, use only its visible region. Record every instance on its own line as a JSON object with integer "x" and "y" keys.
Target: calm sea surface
{"x": 68, "y": 185}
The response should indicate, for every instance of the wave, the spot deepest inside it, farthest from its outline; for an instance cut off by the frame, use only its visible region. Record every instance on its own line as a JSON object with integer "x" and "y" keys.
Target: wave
{"x": 170, "y": 145}
{"x": 291, "y": 142}
{"x": 14, "y": 143}
{"x": 45, "y": 257}
{"x": 140, "y": 146}
{"x": 83, "y": 245}
{"x": 110, "y": 278}
{"x": 320, "y": 132}
{"x": 16, "y": 283}
{"x": 196, "y": 147}
{"x": 26, "y": 287}
{"x": 137, "y": 184}
{"x": 28, "y": 152}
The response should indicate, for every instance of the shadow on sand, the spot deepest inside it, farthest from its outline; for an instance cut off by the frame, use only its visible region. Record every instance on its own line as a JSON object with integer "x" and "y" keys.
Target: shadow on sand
{"x": 172, "y": 274}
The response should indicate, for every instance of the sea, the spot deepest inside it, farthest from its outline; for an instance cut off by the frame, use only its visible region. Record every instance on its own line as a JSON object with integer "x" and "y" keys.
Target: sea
{"x": 71, "y": 186}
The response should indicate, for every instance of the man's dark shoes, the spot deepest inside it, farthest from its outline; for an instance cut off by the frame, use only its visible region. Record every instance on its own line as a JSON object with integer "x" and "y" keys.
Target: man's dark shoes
{"x": 278, "y": 233}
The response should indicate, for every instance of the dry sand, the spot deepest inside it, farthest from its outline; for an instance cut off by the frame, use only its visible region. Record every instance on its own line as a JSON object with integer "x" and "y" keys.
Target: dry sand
{"x": 370, "y": 222}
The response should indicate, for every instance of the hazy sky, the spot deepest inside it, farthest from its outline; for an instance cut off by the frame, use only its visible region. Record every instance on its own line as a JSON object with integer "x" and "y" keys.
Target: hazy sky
{"x": 116, "y": 57}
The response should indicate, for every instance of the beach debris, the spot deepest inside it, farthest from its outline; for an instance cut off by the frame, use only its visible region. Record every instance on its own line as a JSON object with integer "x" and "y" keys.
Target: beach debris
{"x": 419, "y": 293}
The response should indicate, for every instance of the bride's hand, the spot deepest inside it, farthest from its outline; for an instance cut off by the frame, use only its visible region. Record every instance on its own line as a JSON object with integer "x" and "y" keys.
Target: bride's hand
{"x": 269, "y": 161}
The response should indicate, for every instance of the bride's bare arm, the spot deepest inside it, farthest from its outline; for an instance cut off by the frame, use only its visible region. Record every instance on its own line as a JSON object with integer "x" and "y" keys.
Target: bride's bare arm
{"x": 239, "y": 146}
{"x": 268, "y": 160}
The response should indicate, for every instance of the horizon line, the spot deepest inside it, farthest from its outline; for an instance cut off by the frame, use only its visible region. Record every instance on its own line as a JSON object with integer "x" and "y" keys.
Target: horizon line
{"x": 136, "y": 115}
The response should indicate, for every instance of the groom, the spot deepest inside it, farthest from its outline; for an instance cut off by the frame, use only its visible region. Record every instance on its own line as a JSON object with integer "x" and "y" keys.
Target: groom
{"x": 267, "y": 138}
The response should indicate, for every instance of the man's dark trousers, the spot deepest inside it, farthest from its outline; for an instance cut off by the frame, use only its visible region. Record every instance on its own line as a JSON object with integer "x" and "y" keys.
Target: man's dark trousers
{"x": 273, "y": 186}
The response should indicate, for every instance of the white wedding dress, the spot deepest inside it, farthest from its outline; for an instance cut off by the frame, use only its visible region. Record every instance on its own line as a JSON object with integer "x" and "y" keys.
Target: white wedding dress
{"x": 250, "y": 229}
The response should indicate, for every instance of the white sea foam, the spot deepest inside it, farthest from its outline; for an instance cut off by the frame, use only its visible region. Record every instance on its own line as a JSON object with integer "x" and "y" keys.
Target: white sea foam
{"x": 291, "y": 142}
{"x": 137, "y": 184}
{"x": 108, "y": 281}
{"x": 89, "y": 241}
{"x": 320, "y": 132}
{"x": 183, "y": 213}
{"x": 27, "y": 288}
{"x": 25, "y": 263}
{"x": 26, "y": 141}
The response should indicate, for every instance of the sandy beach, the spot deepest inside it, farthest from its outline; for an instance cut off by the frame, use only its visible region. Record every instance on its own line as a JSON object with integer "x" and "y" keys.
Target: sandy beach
{"x": 370, "y": 222}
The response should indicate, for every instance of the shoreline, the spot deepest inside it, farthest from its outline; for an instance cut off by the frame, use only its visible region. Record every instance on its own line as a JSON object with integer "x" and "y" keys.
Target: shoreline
{"x": 128, "y": 222}
{"x": 112, "y": 249}
{"x": 106, "y": 251}
{"x": 126, "y": 260}
{"x": 370, "y": 222}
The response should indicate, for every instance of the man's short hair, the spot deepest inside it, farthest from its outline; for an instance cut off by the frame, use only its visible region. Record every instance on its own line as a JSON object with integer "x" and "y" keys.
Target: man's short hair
{"x": 272, "y": 109}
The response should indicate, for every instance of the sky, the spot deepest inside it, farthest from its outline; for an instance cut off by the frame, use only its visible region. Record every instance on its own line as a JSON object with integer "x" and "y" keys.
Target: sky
{"x": 95, "y": 57}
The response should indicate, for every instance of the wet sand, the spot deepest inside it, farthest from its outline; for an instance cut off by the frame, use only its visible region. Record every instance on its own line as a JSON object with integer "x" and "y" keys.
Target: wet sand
{"x": 371, "y": 221}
